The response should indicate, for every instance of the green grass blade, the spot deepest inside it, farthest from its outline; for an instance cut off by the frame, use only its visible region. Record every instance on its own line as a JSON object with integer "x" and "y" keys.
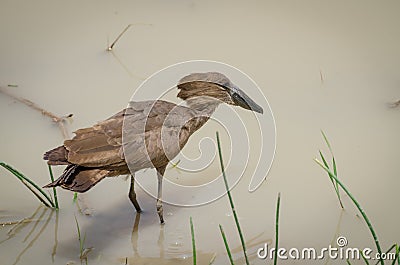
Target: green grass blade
{"x": 278, "y": 203}
{"x": 75, "y": 197}
{"x": 333, "y": 161}
{"x": 396, "y": 257}
{"x": 348, "y": 261}
{"x": 231, "y": 201}
{"x": 364, "y": 258}
{"x": 334, "y": 183}
{"x": 226, "y": 244}
{"x": 387, "y": 251}
{"x": 40, "y": 198}
{"x": 327, "y": 142}
{"x": 336, "y": 186}
{"x": 54, "y": 189}
{"x": 334, "y": 166}
{"x": 326, "y": 164}
{"x": 25, "y": 181}
{"x": 193, "y": 242}
{"x": 323, "y": 159}
{"x": 330, "y": 173}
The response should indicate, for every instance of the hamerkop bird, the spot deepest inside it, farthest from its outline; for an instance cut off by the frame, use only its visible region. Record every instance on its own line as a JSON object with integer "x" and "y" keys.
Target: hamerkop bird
{"x": 147, "y": 134}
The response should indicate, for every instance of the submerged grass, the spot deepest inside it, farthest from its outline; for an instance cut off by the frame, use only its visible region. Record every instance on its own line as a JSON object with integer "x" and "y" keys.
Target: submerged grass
{"x": 335, "y": 179}
{"x": 32, "y": 186}
{"x": 83, "y": 251}
{"x": 81, "y": 241}
{"x": 231, "y": 201}
{"x": 363, "y": 257}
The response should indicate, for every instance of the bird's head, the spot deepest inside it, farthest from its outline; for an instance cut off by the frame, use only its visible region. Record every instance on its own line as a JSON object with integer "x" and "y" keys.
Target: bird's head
{"x": 216, "y": 86}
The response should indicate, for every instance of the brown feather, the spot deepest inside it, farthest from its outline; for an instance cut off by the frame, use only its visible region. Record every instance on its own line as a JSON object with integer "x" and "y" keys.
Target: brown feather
{"x": 57, "y": 156}
{"x": 97, "y": 152}
{"x": 79, "y": 179}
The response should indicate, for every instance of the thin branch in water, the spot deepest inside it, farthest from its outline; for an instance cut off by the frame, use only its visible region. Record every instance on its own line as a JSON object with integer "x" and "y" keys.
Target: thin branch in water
{"x": 59, "y": 120}
{"x": 117, "y": 39}
{"x": 110, "y": 48}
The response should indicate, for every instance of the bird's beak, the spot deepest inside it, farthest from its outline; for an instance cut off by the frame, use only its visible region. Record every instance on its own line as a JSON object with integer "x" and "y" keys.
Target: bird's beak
{"x": 241, "y": 99}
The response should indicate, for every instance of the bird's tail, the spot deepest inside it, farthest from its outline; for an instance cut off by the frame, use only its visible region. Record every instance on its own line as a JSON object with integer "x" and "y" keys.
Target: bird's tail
{"x": 57, "y": 156}
{"x": 78, "y": 178}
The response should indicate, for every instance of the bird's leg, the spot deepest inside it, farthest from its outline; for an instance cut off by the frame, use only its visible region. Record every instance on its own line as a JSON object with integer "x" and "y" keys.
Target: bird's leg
{"x": 132, "y": 194}
{"x": 160, "y": 174}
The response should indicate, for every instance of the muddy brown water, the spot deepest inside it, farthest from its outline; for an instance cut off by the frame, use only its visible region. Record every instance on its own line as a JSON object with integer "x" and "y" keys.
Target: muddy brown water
{"x": 322, "y": 65}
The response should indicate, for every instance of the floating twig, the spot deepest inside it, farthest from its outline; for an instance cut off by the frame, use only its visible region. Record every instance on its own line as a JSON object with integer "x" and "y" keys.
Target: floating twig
{"x": 110, "y": 48}
{"x": 59, "y": 120}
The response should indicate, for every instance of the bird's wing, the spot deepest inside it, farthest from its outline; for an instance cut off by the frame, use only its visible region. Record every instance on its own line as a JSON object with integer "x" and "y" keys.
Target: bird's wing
{"x": 97, "y": 146}
{"x": 154, "y": 137}
{"x": 101, "y": 145}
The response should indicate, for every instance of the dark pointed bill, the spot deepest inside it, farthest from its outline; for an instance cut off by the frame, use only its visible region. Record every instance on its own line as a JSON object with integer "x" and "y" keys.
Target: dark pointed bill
{"x": 244, "y": 101}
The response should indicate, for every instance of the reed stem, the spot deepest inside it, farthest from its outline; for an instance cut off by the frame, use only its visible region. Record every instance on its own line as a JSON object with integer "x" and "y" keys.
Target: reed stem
{"x": 231, "y": 201}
